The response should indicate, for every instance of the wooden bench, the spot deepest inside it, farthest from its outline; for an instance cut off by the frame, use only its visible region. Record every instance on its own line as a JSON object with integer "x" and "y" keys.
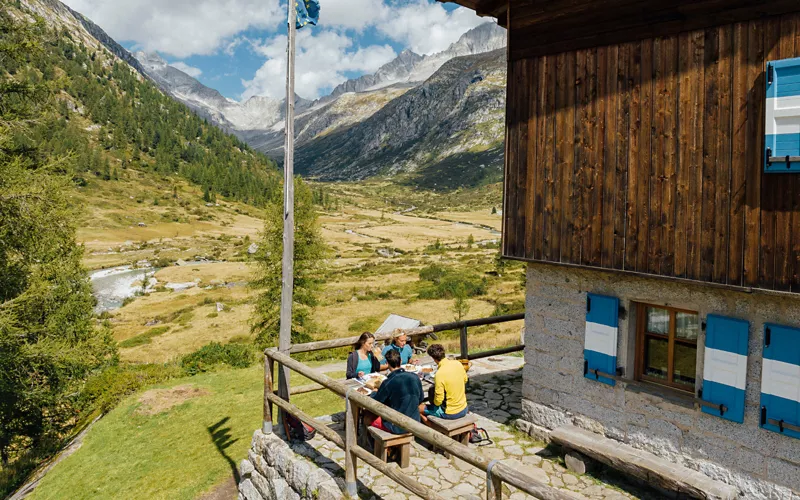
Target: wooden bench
{"x": 458, "y": 429}
{"x": 644, "y": 465}
{"x": 386, "y": 440}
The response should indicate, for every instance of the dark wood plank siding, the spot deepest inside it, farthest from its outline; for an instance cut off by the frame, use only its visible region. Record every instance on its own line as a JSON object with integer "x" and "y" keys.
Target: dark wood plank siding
{"x": 646, "y": 156}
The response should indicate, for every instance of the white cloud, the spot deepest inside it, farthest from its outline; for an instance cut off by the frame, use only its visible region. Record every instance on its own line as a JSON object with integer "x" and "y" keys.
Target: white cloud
{"x": 352, "y": 14}
{"x": 180, "y": 27}
{"x": 322, "y": 57}
{"x": 189, "y": 70}
{"x": 426, "y": 27}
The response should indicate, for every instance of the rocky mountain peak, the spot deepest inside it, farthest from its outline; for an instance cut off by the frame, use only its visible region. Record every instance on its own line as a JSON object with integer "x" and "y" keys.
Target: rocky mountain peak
{"x": 151, "y": 60}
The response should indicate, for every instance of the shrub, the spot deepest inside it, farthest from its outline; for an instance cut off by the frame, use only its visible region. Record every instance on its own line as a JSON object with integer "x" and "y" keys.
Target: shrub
{"x": 104, "y": 390}
{"x": 214, "y": 354}
{"x": 433, "y": 272}
{"x": 450, "y": 283}
{"x": 143, "y": 338}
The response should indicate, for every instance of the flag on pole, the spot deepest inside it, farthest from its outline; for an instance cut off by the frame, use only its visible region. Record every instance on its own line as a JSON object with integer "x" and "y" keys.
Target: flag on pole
{"x": 307, "y": 12}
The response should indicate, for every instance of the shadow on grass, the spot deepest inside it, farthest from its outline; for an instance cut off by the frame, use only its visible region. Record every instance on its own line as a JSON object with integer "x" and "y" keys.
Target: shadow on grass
{"x": 222, "y": 439}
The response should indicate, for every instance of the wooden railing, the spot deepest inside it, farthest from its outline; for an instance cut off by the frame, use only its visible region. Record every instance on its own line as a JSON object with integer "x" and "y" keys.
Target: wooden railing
{"x": 496, "y": 473}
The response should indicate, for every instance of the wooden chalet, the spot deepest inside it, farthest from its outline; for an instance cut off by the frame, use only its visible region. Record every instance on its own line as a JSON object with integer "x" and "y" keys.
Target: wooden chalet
{"x": 652, "y": 182}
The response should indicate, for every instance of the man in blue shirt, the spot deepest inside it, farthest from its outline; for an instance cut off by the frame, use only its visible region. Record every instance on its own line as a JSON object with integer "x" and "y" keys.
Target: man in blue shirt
{"x": 400, "y": 344}
{"x": 401, "y": 391}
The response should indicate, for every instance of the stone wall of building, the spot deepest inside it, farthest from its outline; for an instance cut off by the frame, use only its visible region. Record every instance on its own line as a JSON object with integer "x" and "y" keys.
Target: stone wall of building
{"x": 274, "y": 470}
{"x": 762, "y": 464}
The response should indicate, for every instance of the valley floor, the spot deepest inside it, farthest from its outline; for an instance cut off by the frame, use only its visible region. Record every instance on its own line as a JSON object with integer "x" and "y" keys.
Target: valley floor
{"x": 380, "y": 237}
{"x": 183, "y": 439}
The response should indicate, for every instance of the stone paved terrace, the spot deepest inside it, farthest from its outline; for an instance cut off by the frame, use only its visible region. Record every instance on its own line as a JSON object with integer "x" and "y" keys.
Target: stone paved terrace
{"x": 494, "y": 397}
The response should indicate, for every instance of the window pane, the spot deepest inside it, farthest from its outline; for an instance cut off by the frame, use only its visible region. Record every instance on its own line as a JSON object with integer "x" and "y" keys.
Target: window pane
{"x": 657, "y": 320}
{"x": 656, "y": 357}
{"x": 687, "y": 325}
{"x": 685, "y": 364}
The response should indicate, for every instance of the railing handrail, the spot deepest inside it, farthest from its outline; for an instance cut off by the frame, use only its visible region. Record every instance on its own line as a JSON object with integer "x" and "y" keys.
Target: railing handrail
{"x": 411, "y": 332}
{"x": 499, "y": 471}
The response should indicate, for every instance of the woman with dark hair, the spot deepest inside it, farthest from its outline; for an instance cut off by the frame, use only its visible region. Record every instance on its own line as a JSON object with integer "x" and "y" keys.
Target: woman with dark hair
{"x": 362, "y": 360}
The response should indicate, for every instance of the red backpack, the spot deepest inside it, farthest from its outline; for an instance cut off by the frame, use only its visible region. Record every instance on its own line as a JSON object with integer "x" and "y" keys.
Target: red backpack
{"x": 297, "y": 430}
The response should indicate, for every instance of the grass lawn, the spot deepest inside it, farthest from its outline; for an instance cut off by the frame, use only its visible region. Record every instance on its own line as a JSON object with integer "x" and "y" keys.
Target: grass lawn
{"x": 180, "y": 452}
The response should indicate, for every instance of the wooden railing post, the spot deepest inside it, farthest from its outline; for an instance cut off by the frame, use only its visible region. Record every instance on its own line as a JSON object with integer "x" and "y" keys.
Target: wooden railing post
{"x": 350, "y": 458}
{"x": 266, "y": 426}
{"x": 494, "y": 490}
{"x": 464, "y": 344}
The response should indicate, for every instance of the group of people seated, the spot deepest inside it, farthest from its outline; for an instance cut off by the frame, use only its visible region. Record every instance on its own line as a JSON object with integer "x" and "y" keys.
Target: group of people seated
{"x": 402, "y": 391}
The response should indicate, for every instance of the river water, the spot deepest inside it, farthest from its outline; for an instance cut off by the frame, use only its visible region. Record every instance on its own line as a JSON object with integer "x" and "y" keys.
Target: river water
{"x": 112, "y": 286}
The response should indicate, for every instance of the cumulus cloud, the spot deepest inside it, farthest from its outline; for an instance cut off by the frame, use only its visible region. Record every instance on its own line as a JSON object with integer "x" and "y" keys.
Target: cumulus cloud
{"x": 426, "y": 27}
{"x": 180, "y": 27}
{"x": 183, "y": 28}
{"x": 322, "y": 58}
{"x": 189, "y": 70}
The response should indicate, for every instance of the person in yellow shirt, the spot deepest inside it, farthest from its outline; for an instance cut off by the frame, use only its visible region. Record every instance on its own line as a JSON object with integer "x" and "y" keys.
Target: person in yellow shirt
{"x": 449, "y": 389}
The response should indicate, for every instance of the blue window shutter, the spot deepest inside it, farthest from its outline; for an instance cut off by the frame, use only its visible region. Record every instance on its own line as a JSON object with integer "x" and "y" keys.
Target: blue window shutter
{"x": 600, "y": 343}
{"x": 780, "y": 378}
{"x": 725, "y": 365}
{"x": 782, "y": 133}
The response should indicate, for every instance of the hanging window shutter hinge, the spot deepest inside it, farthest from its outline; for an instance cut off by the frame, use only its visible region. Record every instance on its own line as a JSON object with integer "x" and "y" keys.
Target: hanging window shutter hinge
{"x": 588, "y": 304}
{"x": 763, "y": 415}
{"x": 767, "y": 336}
{"x": 585, "y": 367}
{"x": 770, "y": 74}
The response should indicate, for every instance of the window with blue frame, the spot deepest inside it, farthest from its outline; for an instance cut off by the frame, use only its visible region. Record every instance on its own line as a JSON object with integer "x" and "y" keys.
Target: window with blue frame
{"x": 782, "y": 134}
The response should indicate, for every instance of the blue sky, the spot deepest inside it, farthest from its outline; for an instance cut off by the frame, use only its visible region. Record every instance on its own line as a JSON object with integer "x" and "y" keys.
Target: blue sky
{"x": 238, "y": 46}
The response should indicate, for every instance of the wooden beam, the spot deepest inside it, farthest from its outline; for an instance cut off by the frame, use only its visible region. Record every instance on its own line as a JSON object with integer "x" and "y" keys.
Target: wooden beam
{"x": 582, "y": 32}
{"x": 411, "y": 332}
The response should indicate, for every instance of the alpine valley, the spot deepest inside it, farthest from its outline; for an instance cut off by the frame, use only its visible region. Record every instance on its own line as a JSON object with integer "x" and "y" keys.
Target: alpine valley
{"x": 414, "y": 119}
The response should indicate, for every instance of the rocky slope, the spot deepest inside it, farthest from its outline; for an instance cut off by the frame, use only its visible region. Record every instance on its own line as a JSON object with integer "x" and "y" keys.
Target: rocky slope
{"x": 409, "y": 67}
{"x": 257, "y": 113}
{"x": 260, "y": 120}
{"x": 453, "y": 119}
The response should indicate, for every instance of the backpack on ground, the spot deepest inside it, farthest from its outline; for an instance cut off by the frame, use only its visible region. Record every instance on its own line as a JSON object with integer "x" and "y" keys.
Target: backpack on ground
{"x": 479, "y": 436}
{"x": 297, "y": 430}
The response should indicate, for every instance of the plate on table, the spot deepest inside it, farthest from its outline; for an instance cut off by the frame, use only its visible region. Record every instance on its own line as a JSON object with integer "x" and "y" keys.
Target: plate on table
{"x": 410, "y": 368}
{"x": 427, "y": 369}
{"x": 364, "y": 391}
{"x": 373, "y": 380}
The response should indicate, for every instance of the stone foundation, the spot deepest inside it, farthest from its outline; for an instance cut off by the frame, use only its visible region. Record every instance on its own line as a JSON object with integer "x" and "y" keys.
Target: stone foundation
{"x": 761, "y": 464}
{"x": 275, "y": 471}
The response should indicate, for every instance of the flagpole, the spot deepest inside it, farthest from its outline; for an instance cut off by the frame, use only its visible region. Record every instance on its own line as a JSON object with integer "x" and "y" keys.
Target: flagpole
{"x": 285, "y": 339}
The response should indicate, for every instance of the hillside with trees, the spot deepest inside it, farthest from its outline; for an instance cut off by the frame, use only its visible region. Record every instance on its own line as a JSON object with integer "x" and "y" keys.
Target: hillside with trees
{"x": 132, "y": 124}
{"x": 73, "y": 114}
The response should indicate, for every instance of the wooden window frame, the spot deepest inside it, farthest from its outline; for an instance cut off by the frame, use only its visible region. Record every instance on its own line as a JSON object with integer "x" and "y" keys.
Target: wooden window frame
{"x": 672, "y": 339}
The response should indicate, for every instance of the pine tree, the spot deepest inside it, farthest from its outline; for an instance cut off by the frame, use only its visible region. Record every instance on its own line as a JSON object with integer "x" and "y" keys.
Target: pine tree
{"x": 309, "y": 257}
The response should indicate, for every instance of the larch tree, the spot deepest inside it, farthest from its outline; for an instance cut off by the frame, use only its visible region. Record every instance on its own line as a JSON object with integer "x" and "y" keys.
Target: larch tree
{"x": 310, "y": 252}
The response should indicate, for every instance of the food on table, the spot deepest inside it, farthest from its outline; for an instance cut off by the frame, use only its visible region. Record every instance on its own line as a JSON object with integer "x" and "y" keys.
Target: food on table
{"x": 374, "y": 383}
{"x": 364, "y": 391}
{"x": 426, "y": 369}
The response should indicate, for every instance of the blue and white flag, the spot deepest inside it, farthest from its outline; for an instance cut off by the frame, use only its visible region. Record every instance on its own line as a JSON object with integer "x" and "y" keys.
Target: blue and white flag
{"x": 307, "y": 12}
